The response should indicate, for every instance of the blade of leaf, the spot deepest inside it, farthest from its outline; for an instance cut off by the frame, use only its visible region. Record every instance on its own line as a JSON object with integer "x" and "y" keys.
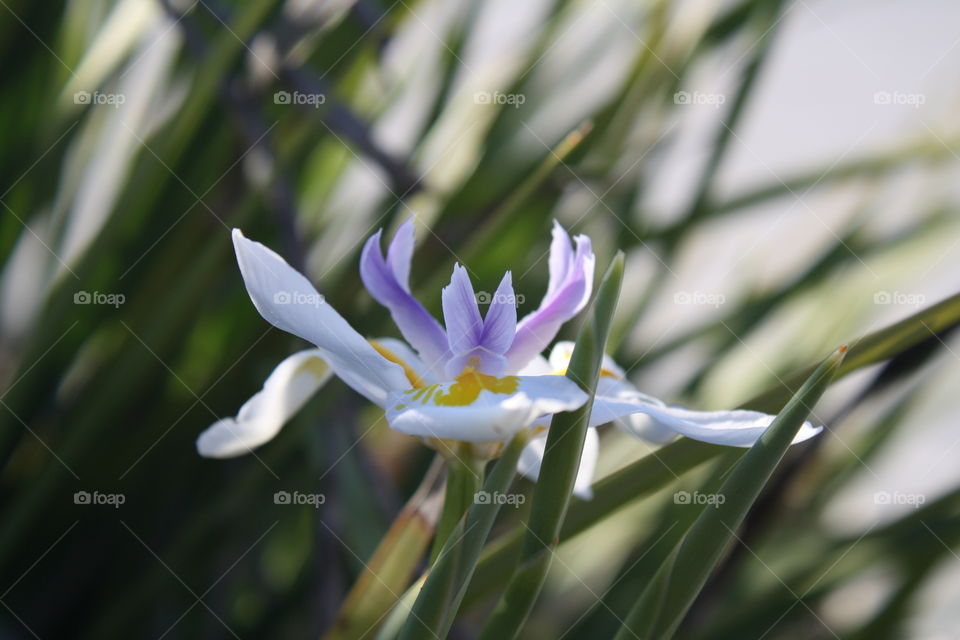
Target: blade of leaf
{"x": 392, "y": 564}
{"x": 870, "y": 349}
{"x": 632, "y": 483}
{"x": 672, "y": 591}
{"x": 651, "y": 473}
{"x": 439, "y": 599}
{"x": 464, "y": 475}
{"x": 560, "y": 464}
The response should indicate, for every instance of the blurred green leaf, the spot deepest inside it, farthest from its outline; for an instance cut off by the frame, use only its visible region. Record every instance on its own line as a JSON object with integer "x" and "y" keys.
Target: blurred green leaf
{"x": 672, "y": 590}
{"x": 439, "y": 599}
{"x": 560, "y": 463}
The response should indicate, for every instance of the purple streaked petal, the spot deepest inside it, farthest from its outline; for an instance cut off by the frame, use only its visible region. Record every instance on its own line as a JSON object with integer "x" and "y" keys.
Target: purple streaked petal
{"x": 387, "y": 283}
{"x": 465, "y": 329}
{"x": 500, "y": 323}
{"x": 561, "y": 258}
{"x": 473, "y": 341}
{"x": 461, "y": 313}
{"x": 400, "y": 253}
{"x": 484, "y": 361}
{"x": 569, "y": 291}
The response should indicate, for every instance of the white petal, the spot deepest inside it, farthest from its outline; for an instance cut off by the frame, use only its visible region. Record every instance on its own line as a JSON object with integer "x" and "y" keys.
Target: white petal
{"x": 478, "y": 408}
{"x": 639, "y": 424}
{"x": 560, "y": 360}
{"x": 532, "y": 457}
{"x": 260, "y": 418}
{"x": 560, "y": 355}
{"x": 538, "y": 366}
{"x": 647, "y": 428}
{"x": 288, "y": 301}
{"x": 737, "y": 428}
{"x": 588, "y": 465}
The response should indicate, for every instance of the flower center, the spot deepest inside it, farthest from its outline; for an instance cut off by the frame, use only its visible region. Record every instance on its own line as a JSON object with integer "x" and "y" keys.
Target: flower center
{"x": 465, "y": 390}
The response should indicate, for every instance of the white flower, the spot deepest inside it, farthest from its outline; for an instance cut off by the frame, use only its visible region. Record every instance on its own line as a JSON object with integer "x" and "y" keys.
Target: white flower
{"x": 462, "y": 382}
{"x": 479, "y": 379}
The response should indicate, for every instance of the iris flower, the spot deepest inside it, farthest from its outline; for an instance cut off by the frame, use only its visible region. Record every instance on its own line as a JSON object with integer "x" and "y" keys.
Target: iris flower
{"x": 479, "y": 379}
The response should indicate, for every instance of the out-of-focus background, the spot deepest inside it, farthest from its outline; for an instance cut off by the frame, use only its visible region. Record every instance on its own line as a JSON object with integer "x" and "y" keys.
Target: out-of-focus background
{"x": 781, "y": 175}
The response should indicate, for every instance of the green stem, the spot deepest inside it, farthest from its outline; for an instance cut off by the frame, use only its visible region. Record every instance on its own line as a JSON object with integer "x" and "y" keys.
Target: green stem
{"x": 464, "y": 476}
{"x": 559, "y": 468}
{"x": 392, "y": 565}
{"x": 438, "y": 601}
{"x": 624, "y": 487}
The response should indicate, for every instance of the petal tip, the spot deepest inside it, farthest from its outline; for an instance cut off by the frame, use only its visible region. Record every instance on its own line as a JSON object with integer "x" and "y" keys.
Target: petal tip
{"x": 239, "y": 239}
{"x": 212, "y": 443}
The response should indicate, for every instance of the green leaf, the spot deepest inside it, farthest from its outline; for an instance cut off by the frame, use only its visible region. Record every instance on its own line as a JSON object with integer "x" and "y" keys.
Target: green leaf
{"x": 559, "y": 468}
{"x": 632, "y": 483}
{"x": 389, "y": 570}
{"x": 439, "y": 599}
{"x": 464, "y": 476}
{"x": 873, "y": 348}
{"x": 655, "y": 471}
{"x": 663, "y": 604}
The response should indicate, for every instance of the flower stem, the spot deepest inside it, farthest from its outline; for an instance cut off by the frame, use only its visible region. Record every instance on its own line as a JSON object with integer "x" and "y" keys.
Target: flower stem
{"x": 464, "y": 477}
{"x": 446, "y": 583}
{"x": 558, "y": 472}
{"x": 392, "y": 565}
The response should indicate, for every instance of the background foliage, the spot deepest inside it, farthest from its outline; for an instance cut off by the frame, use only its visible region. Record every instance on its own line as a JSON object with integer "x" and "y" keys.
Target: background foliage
{"x": 767, "y": 216}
